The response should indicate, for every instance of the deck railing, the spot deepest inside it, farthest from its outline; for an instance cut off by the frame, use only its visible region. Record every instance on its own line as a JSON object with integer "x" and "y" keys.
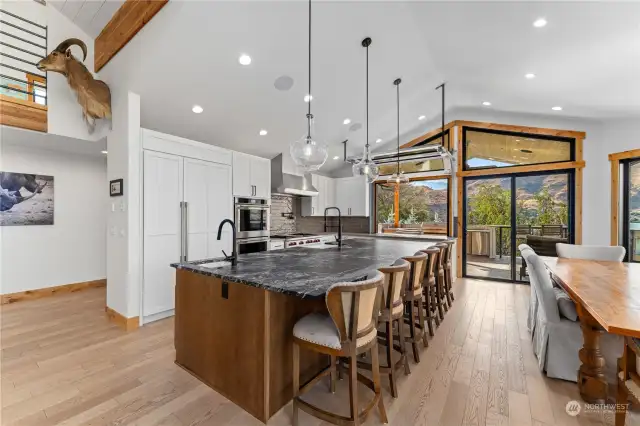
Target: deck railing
{"x": 495, "y": 240}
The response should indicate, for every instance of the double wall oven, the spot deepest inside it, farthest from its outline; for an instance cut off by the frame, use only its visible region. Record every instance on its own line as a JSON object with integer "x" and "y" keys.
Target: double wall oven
{"x": 252, "y": 224}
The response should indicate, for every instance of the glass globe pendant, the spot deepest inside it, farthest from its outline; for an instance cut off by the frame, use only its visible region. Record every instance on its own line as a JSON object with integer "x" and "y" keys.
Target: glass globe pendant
{"x": 398, "y": 177}
{"x": 366, "y": 167}
{"x": 308, "y": 153}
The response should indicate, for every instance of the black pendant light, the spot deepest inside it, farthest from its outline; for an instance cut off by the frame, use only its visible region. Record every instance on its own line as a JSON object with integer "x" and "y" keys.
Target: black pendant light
{"x": 366, "y": 167}
{"x": 398, "y": 177}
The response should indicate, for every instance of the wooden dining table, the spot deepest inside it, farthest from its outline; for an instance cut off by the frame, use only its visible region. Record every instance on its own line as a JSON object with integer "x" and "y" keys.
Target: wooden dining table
{"x": 607, "y": 298}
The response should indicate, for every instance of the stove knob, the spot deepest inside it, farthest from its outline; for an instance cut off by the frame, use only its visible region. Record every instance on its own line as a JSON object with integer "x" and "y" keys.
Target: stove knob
{"x": 292, "y": 244}
{"x": 301, "y": 243}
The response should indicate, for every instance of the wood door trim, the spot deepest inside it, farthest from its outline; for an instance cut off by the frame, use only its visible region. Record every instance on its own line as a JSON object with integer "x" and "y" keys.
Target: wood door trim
{"x": 50, "y": 291}
{"x": 615, "y": 159}
{"x": 624, "y": 155}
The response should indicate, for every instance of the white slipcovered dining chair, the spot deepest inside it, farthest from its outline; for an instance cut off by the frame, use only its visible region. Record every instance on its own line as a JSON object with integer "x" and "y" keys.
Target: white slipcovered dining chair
{"x": 607, "y": 253}
{"x": 557, "y": 340}
{"x": 533, "y": 298}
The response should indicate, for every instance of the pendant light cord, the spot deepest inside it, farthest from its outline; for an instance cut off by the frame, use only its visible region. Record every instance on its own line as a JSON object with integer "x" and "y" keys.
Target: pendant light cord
{"x": 309, "y": 116}
{"x": 367, "y": 97}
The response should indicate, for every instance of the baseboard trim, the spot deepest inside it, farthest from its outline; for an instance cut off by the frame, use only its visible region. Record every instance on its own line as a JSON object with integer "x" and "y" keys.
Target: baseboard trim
{"x": 128, "y": 324}
{"x": 50, "y": 291}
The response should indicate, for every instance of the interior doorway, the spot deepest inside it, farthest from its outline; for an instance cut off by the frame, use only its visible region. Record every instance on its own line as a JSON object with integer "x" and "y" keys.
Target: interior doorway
{"x": 503, "y": 211}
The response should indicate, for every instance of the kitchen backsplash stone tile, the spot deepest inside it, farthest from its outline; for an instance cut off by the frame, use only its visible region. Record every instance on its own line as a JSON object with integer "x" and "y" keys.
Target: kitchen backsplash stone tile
{"x": 308, "y": 224}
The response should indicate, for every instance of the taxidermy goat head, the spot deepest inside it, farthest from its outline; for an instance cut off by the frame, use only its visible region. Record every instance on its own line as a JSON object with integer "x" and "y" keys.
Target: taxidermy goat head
{"x": 93, "y": 95}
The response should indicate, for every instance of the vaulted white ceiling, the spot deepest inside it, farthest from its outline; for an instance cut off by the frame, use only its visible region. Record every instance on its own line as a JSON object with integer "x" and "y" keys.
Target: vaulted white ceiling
{"x": 90, "y": 15}
{"x": 587, "y": 60}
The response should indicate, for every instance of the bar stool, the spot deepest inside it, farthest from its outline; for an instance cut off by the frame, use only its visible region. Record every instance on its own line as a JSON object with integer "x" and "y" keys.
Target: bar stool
{"x": 348, "y": 330}
{"x": 628, "y": 378}
{"x": 430, "y": 290}
{"x": 442, "y": 286}
{"x": 413, "y": 300}
{"x": 448, "y": 272}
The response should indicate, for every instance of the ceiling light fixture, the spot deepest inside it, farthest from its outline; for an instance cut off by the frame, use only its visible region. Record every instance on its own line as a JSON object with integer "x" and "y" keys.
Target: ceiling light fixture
{"x": 346, "y": 121}
{"x": 529, "y": 76}
{"x": 366, "y": 167}
{"x": 306, "y": 152}
{"x": 540, "y": 22}
{"x": 336, "y": 157}
{"x": 308, "y": 98}
{"x": 422, "y": 117}
{"x": 398, "y": 177}
{"x": 244, "y": 59}
{"x": 104, "y": 152}
{"x": 557, "y": 108}
{"x": 263, "y": 132}
{"x": 486, "y": 103}
{"x": 378, "y": 140}
{"x": 526, "y": 151}
{"x": 197, "y": 109}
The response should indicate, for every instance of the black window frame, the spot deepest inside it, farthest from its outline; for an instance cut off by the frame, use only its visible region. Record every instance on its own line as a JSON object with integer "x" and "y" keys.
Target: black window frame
{"x": 626, "y": 208}
{"x": 465, "y": 167}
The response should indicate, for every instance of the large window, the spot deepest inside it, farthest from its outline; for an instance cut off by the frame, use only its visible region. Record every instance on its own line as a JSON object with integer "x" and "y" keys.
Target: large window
{"x": 485, "y": 149}
{"x": 419, "y": 207}
{"x": 631, "y": 208}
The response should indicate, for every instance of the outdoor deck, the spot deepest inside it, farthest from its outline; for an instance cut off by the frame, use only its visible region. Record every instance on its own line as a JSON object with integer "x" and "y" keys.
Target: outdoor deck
{"x": 485, "y": 267}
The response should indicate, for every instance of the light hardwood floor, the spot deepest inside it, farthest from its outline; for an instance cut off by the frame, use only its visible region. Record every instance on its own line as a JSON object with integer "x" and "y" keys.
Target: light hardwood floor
{"x": 64, "y": 364}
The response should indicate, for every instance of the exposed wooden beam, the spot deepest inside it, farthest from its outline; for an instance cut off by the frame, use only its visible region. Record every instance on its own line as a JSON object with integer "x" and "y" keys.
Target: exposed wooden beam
{"x": 23, "y": 114}
{"x": 523, "y": 129}
{"x": 132, "y": 16}
{"x": 523, "y": 169}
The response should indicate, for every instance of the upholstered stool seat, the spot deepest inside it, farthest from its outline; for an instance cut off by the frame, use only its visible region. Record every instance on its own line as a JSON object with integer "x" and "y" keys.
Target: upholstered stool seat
{"x": 320, "y": 330}
{"x": 349, "y": 329}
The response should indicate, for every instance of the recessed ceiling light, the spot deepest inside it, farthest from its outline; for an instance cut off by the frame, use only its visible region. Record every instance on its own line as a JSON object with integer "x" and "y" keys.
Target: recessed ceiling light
{"x": 529, "y": 76}
{"x": 422, "y": 117}
{"x": 263, "y": 132}
{"x": 244, "y": 59}
{"x": 378, "y": 140}
{"x": 346, "y": 121}
{"x": 104, "y": 152}
{"x": 486, "y": 103}
{"x": 526, "y": 151}
{"x": 308, "y": 98}
{"x": 540, "y": 22}
{"x": 557, "y": 108}
{"x": 336, "y": 158}
{"x": 197, "y": 109}
{"x": 517, "y": 140}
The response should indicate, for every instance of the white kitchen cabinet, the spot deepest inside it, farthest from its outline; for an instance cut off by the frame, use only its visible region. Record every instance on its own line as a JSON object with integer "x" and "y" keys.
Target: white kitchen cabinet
{"x": 314, "y": 206}
{"x": 352, "y": 196}
{"x": 276, "y": 245}
{"x": 251, "y": 176}
{"x": 180, "y": 194}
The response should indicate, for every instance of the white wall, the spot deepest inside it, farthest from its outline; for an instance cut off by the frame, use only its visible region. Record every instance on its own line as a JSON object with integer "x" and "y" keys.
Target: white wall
{"x": 74, "y": 248}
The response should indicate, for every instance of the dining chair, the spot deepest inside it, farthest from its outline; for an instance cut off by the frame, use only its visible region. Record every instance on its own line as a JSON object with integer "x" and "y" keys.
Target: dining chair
{"x": 349, "y": 329}
{"x": 392, "y": 314}
{"x": 628, "y": 379}
{"x": 607, "y": 253}
{"x": 413, "y": 303}
{"x": 552, "y": 231}
{"x": 533, "y": 297}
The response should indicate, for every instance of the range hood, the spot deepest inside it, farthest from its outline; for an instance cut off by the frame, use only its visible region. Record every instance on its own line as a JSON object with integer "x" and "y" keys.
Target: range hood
{"x": 287, "y": 183}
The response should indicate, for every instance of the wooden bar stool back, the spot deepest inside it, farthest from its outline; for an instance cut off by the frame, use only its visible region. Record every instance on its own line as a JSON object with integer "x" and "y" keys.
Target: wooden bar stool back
{"x": 430, "y": 290}
{"x": 414, "y": 310}
{"x": 442, "y": 286}
{"x": 448, "y": 270}
{"x": 348, "y": 330}
{"x": 628, "y": 378}
{"x": 391, "y": 314}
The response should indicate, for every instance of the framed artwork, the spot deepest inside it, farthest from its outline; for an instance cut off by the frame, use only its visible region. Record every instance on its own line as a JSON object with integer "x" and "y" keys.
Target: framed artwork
{"x": 26, "y": 199}
{"x": 116, "y": 187}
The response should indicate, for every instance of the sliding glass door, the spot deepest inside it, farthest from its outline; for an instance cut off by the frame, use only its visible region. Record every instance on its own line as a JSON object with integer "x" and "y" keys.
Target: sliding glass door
{"x": 631, "y": 209}
{"x": 503, "y": 212}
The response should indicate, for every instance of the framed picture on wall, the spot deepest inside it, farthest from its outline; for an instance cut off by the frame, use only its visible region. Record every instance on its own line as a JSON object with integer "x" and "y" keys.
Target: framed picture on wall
{"x": 26, "y": 199}
{"x": 116, "y": 187}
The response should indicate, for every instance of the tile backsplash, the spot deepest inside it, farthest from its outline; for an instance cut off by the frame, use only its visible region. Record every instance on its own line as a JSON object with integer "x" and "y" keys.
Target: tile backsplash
{"x": 308, "y": 224}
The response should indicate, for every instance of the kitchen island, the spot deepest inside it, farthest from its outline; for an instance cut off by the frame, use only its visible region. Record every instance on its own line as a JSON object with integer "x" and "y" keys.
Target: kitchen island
{"x": 233, "y": 324}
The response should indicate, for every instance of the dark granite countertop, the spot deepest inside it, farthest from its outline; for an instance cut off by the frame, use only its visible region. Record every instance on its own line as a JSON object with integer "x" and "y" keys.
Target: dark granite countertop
{"x": 308, "y": 272}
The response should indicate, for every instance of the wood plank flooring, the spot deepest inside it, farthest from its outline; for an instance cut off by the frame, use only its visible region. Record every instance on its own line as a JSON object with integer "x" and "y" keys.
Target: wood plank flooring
{"x": 62, "y": 363}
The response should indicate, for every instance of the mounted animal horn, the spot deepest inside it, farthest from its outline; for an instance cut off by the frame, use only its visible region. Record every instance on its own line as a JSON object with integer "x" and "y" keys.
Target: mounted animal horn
{"x": 62, "y": 47}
